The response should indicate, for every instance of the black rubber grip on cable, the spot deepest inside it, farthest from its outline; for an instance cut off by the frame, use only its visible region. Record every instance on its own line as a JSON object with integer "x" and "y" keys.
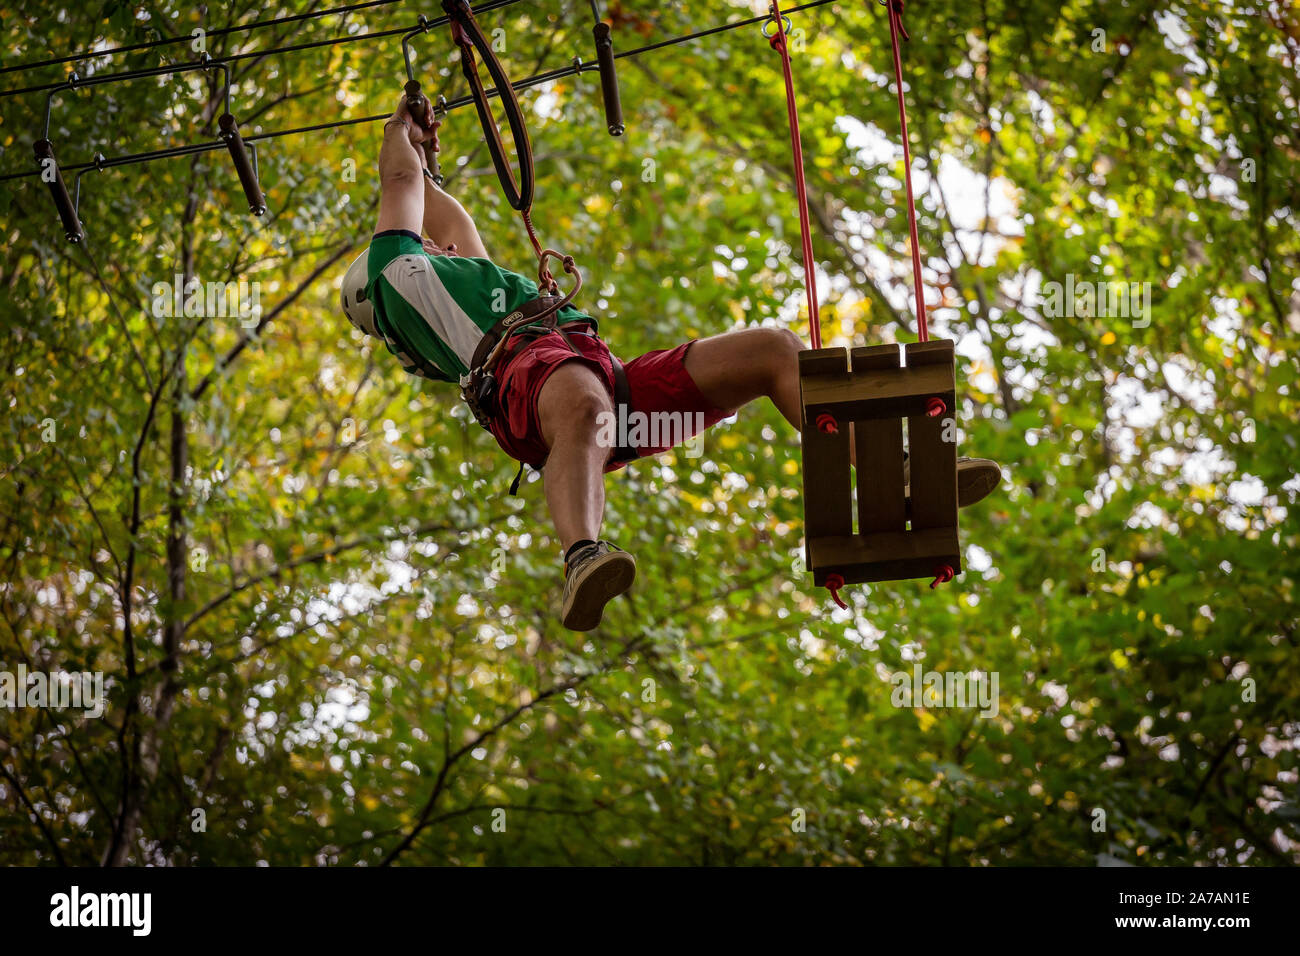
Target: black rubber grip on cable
{"x": 518, "y": 193}
{"x": 247, "y": 178}
{"x": 59, "y": 190}
{"x": 608, "y": 79}
{"x": 418, "y": 104}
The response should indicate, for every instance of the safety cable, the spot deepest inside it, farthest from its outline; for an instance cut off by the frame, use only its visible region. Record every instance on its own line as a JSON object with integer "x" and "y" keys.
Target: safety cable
{"x": 536, "y": 79}
{"x": 293, "y": 48}
{"x": 167, "y": 41}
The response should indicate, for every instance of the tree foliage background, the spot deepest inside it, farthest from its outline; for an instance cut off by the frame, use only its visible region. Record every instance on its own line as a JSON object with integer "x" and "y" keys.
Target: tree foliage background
{"x": 325, "y": 625}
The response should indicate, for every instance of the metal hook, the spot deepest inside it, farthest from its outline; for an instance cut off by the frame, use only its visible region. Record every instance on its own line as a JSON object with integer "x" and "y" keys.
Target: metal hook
{"x": 771, "y": 21}
{"x": 98, "y": 166}
{"x": 422, "y": 26}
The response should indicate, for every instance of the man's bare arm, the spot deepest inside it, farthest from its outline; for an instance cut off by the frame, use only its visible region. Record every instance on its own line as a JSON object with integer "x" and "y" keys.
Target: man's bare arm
{"x": 448, "y": 224}
{"x": 401, "y": 188}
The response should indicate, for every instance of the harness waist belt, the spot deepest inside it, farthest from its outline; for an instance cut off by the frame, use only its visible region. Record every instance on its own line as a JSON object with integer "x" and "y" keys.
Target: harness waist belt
{"x": 510, "y": 333}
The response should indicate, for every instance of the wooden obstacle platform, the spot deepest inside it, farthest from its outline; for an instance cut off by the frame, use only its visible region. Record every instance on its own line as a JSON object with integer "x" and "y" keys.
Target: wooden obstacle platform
{"x": 872, "y": 389}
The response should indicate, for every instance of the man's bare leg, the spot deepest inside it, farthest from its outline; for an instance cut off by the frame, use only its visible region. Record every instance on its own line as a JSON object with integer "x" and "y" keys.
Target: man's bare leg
{"x": 730, "y": 370}
{"x": 736, "y": 368}
{"x": 568, "y": 408}
{"x": 595, "y": 572}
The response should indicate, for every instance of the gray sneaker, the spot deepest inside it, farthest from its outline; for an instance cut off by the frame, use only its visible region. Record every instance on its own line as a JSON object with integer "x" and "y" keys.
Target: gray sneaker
{"x": 976, "y": 479}
{"x": 593, "y": 577}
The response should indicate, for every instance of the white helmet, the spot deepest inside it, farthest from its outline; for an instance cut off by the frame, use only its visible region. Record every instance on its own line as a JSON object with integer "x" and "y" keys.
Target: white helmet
{"x": 355, "y": 305}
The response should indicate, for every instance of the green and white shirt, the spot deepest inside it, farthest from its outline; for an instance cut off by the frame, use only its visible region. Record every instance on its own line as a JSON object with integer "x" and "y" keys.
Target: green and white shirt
{"x": 432, "y": 311}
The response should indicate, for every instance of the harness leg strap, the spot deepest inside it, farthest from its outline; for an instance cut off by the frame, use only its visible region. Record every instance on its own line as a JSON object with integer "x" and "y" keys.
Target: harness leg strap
{"x": 622, "y": 401}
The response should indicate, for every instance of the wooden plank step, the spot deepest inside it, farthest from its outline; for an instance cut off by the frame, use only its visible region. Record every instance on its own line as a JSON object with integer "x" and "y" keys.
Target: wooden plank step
{"x": 827, "y": 493}
{"x": 884, "y": 556}
{"x": 933, "y": 461}
{"x": 879, "y": 449}
{"x": 895, "y": 395}
{"x": 933, "y": 352}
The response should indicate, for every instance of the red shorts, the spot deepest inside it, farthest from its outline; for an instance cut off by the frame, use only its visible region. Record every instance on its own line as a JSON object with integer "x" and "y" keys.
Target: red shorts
{"x": 658, "y": 383}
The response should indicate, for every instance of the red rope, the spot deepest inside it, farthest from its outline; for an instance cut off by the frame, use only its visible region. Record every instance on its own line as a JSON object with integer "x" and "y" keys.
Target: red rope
{"x": 895, "y": 28}
{"x": 778, "y": 43}
{"x": 833, "y": 584}
{"x": 544, "y": 278}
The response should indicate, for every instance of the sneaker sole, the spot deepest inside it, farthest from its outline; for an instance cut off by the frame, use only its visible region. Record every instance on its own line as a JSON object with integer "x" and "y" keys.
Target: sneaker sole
{"x": 976, "y": 484}
{"x": 599, "y": 584}
{"x": 973, "y": 485}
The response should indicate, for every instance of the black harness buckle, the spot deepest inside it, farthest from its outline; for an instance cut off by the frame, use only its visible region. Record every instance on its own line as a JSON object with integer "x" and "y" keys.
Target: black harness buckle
{"x": 479, "y": 387}
{"x": 479, "y": 390}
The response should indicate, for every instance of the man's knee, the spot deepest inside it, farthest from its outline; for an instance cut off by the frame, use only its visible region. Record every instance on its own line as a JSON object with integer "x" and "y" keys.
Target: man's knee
{"x": 572, "y": 402}
{"x": 585, "y": 405}
{"x": 780, "y": 350}
{"x": 785, "y": 342}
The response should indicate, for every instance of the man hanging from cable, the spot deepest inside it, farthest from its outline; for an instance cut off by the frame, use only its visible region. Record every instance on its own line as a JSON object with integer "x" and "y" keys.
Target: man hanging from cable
{"x": 446, "y": 311}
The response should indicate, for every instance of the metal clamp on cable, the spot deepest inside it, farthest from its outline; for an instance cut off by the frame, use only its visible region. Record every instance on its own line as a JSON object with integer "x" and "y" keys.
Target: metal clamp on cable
{"x": 58, "y": 190}
{"x": 608, "y": 79}
{"x": 247, "y": 170}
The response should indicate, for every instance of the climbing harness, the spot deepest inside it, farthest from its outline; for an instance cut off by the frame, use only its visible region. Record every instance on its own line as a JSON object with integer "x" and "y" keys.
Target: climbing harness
{"x": 479, "y": 386}
{"x": 895, "y": 537}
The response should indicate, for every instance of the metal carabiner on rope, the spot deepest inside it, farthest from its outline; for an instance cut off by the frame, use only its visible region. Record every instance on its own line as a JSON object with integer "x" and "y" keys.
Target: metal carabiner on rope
{"x": 784, "y": 27}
